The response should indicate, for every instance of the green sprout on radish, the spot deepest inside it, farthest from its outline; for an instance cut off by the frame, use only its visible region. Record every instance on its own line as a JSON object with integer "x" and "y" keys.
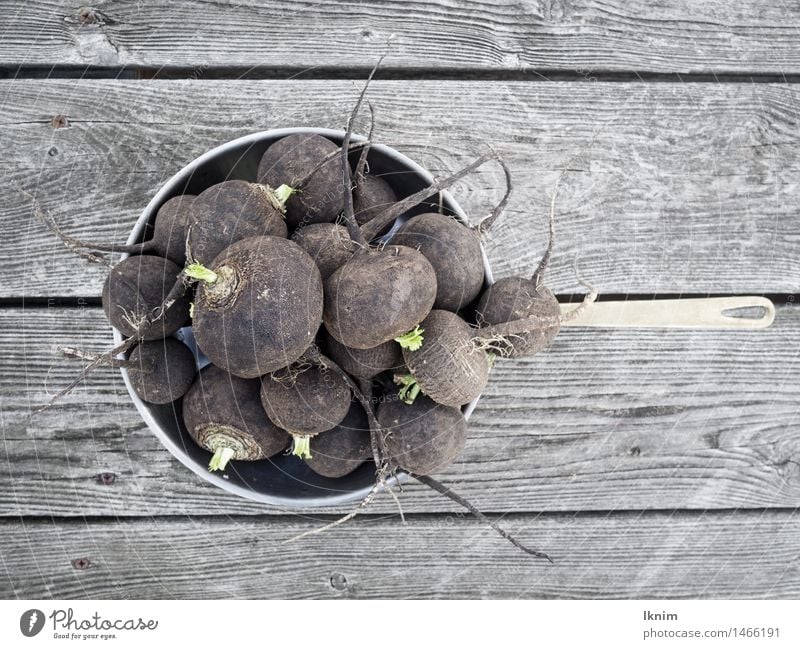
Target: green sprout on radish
{"x": 301, "y": 446}
{"x": 199, "y": 272}
{"x": 222, "y": 455}
{"x": 279, "y": 196}
{"x": 409, "y": 388}
{"x": 411, "y": 340}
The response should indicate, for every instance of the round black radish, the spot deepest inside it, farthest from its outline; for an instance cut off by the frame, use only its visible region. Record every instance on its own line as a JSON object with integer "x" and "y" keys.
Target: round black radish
{"x": 342, "y": 449}
{"x": 135, "y": 288}
{"x": 161, "y": 371}
{"x": 423, "y": 437}
{"x": 515, "y": 298}
{"x": 328, "y": 244}
{"x": 372, "y": 196}
{"x": 169, "y": 231}
{"x": 302, "y": 157}
{"x": 230, "y": 211}
{"x": 223, "y": 414}
{"x": 260, "y": 307}
{"x": 378, "y": 295}
{"x": 364, "y": 363}
{"x": 449, "y": 367}
{"x": 305, "y": 400}
{"x": 453, "y": 249}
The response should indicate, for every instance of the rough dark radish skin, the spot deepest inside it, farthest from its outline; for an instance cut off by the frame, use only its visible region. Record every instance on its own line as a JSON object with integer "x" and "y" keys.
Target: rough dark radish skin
{"x": 161, "y": 371}
{"x": 378, "y": 295}
{"x": 228, "y": 212}
{"x": 263, "y": 311}
{"x": 290, "y": 160}
{"x": 448, "y": 367}
{"x": 305, "y": 401}
{"x": 372, "y": 196}
{"x": 454, "y": 251}
{"x": 423, "y": 437}
{"x": 328, "y": 244}
{"x": 135, "y": 288}
{"x": 169, "y": 231}
{"x": 342, "y": 449}
{"x": 515, "y": 298}
{"x": 223, "y": 414}
{"x": 364, "y": 363}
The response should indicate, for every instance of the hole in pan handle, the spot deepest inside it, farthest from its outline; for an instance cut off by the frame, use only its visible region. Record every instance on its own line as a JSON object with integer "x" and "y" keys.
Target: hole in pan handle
{"x": 738, "y": 312}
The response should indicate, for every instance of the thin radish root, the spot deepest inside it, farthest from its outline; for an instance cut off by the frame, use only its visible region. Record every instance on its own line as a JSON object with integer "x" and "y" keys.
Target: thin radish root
{"x": 447, "y": 491}
{"x": 486, "y": 224}
{"x": 349, "y": 212}
{"x": 75, "y": 245}
{"x": 349, "y": 516}
{"x": 374, "y": 227}
{"x": 362, "y": 166}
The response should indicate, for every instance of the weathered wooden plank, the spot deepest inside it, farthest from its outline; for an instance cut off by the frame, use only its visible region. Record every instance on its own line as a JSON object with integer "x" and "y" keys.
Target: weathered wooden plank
{"x": 704, "y": 555}
{"x": 687, "y": 188}
{"x": 579, "y": 36}
{"x": 605, "y": 420}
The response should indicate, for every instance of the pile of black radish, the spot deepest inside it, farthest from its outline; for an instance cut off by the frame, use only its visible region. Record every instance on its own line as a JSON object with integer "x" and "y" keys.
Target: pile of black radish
{"x": 322, "y": 338}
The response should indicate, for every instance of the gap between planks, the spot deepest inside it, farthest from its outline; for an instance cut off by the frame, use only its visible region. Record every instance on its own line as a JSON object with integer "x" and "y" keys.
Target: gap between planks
{"x": 324, "y": 517}
{"x": 256, "y": 73}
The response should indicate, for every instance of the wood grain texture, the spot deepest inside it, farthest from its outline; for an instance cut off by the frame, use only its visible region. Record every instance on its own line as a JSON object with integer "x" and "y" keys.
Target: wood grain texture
{"x": 688, "y": 188}
{"x": 578, "y": 36}
{"x": 604, "y": 420}
{"x": 707, "y": 555}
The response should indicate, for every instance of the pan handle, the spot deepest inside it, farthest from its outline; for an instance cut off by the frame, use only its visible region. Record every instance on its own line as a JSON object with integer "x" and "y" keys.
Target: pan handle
{"x": 688, "y": 313}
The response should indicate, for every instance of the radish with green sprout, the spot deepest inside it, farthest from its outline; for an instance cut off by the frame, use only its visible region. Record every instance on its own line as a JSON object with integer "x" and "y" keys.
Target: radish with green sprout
{"x": 452, "y": 368}
{"x": 306, "y": 399}
{"x": 223, "y": 414}
{"x": 342, "y": 449}
{"x": 305, "y": 162}
{"x": 258, "y": 305}
{"x": 233, "y": 210}
{"x": 135, "y": 289}
{"x": 379, "y": 295}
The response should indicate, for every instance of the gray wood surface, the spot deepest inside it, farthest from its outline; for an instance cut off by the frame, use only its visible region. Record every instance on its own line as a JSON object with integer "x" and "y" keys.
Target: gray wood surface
{"x": 604, "y": 420}
{"x": 688, "y": 188}
{"x": 660, "y": 555}
{"x": 583, "y": 37}
{"x": 649, "y": 464}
